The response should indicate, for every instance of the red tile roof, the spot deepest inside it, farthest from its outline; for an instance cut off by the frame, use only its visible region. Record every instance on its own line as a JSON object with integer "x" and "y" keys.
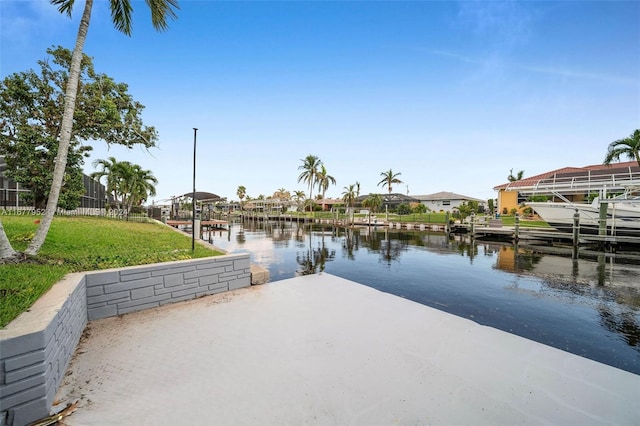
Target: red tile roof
{"x": 600, "y": 169}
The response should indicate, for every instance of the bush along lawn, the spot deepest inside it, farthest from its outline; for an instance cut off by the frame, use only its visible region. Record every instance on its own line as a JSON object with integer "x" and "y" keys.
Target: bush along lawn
{"x": 82, "y": 244}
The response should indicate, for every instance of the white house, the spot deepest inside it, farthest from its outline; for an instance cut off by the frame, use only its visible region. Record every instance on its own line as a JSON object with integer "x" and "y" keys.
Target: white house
{"x": 446, "y": 201}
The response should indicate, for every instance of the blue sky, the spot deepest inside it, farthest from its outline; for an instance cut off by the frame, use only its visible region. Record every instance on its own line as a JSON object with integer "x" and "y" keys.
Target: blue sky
{"x": 452, "y": 95}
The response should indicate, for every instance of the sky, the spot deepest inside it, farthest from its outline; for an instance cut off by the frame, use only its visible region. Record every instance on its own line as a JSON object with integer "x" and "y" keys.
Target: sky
{"x": 451, "y": 95}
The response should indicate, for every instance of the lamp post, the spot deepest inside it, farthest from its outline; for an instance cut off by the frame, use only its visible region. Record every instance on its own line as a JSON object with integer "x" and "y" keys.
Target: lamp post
{"x": 193, "y": 198}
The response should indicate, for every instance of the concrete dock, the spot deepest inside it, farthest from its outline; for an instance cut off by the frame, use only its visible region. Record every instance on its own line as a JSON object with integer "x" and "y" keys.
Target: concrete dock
{"x": 321, "y": 350}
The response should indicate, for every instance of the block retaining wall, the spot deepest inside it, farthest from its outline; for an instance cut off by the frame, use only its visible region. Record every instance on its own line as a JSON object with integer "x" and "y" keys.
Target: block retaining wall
{"x": 35, "y": 348}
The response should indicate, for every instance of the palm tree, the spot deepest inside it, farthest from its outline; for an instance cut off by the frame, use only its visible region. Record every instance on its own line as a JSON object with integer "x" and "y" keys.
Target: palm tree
{"x": 106, "y": 168}
{"x": 357, "y": 189}
{"x": 299, "y": 196}
{"x": 349, "y": 195}
{"x": 629, "y": 147}
{"x": 518, "y": 177}
{"x": 6, "y": 251}
{"x": 389, "y": 179}
{"x": 141, "y": 185}
{"x": 324, "y": 180}
{"x": 241, "y": 193}
{"x": 129, "y": 183}
{"x": 121, "y": 11}
{"x": 282, "y": 194}
{"x": 374, "y": 201}
{"x": 309, "y": 175}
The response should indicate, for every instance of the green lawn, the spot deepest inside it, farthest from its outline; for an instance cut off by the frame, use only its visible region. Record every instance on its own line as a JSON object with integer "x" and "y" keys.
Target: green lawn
{"x": 525, "y": 223}
{"x": 82, "y": 244}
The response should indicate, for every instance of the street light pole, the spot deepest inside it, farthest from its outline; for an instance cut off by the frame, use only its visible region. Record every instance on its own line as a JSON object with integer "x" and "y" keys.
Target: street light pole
{"x": 193, "y": 197}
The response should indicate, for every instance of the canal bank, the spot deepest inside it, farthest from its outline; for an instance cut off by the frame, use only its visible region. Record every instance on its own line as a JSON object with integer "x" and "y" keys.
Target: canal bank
{"x": 323, "y": 350}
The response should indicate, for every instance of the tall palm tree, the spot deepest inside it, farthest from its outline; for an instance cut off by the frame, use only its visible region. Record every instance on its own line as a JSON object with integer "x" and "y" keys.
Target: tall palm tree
{"x": 309, "y": 175}
{"x": 389, "y": 179}
{"x": 324, "y": 180}
{"x": 629, "y": 147}
{"x": 121, "y": 11}
{"x": 349, "y": 196}
{"x": 241, "y": 193}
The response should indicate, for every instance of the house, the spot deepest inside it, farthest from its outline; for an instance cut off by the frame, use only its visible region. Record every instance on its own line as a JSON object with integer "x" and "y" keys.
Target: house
{"x": 389, "y": 201}
{"x": 330, "y": 203}
{"x": 446, "y": 201}
{"x": 94, "y": 196}
{"x": 575, "y": 184}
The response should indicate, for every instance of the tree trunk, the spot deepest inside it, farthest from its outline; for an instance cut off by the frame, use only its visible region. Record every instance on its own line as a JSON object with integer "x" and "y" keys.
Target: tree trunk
{"x": 65, "y": 133}
{"x": 6, "y": 251}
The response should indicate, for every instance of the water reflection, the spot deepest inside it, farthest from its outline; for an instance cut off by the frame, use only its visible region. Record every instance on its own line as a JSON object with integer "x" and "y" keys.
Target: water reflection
{"x": 623, "y": 322}
{"x": 589, "y": 306}
{"x": 313, "y": 260}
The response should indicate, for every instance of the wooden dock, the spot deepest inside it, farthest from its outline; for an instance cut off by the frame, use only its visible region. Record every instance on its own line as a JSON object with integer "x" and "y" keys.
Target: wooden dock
{"x": 213, "y": 223}
{"x": 550, "y": 235}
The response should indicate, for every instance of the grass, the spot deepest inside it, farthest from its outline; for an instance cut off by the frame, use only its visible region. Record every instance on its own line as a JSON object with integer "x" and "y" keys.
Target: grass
{"x": 525, "y": 223}
{"x": 82, "y": 244}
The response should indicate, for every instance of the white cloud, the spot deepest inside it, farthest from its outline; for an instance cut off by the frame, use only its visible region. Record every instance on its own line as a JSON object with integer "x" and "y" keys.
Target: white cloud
{"x": 505, "y": 24}
{"x": 494, "y": 64}
{"x": 27, "y": 21}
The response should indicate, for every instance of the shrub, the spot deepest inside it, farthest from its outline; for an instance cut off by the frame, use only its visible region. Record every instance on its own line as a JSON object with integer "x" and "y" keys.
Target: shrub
{"x": 403, "y": 209}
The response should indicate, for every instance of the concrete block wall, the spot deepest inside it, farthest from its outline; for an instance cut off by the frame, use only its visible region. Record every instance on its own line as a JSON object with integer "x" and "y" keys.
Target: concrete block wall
{"x": 36, "y": 348}
{"x": 117, "y": 292}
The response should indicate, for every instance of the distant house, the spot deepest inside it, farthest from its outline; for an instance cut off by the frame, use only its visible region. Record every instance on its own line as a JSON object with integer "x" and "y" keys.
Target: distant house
{"x": 391, "y": 201}
{"x": 575, "y": 184}
{"x": 330, "y": 203}
{"x": 446, "y": 201}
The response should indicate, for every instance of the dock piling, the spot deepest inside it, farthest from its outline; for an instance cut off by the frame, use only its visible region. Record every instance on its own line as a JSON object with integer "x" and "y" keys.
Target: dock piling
{"x": 602, "y": 220}
{"x": 576, "y": 233}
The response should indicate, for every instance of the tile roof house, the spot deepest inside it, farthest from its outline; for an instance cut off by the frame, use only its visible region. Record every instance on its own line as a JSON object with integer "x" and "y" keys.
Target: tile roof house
{"x": 572, "y": 183}
{"x": 329, "y": 203}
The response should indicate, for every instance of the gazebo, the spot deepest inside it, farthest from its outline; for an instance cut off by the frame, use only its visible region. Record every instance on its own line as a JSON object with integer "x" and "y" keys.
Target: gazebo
{"x": 201, "y": 199}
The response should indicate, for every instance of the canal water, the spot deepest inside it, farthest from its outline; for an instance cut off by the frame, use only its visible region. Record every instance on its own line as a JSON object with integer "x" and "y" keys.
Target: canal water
{"x": 589, "y": 307}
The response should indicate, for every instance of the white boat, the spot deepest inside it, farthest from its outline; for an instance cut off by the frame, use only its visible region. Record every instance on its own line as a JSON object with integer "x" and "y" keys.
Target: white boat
{"x": 623, "y": 215}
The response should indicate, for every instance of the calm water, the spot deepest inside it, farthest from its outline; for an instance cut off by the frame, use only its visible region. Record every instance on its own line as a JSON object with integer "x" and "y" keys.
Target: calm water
{"x": 588, "y": 307}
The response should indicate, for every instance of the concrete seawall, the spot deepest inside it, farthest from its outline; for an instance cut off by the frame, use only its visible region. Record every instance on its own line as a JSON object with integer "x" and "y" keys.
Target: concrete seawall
{"x": 322, "y": 350}
{"x": 35, "y": 348}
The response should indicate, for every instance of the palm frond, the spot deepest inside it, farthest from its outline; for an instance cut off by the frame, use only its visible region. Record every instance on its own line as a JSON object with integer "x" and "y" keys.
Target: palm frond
{"x": 160, "y": 11}
{"x": 121, "y": 15}
{"x": 64, "y": 6}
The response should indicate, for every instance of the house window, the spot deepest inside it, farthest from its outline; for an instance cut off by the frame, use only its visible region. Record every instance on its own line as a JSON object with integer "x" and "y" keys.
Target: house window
{"x": 522, "y": 198}
{"x": 446, "y": 202}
